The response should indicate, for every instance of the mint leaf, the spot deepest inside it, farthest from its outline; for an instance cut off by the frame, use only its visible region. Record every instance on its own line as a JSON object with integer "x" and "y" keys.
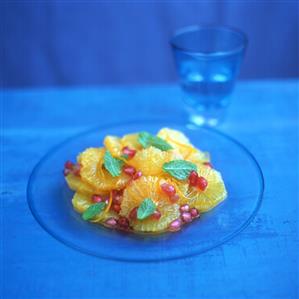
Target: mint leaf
{"x": 179, "y": 169}
{"x": 113, "y": 165}
{"x": 146, "y": 140}
{"x": 93, "y": 210}
{"x": 146, "y": 208}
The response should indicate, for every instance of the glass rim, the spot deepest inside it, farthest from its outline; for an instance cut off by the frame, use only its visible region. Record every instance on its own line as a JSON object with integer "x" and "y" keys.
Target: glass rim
{"x": 194, "y": 28}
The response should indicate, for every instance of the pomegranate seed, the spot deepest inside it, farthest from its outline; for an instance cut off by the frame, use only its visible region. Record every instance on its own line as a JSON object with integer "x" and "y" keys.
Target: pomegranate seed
{"x": 156, "y": 215}
{"x": 129, "y": 170}
{"x": 123, "y": 222}
{"x": 117, "y": 199}
{"x": 174, "y": 198}
{"x": 117, "y": 192}
{"x": 111, "y": 222}
{"x": 97, "y": 198}
{"x": 202, "y": 183}
{"x": 133, "y": 214}
{"x": 175, "y": 225}
{"x": 186, "y": 217}
{"x": 185, "y": 208}
{"x": 194, "y": 213}
{"x": 66, "y": 172}
{"x": 168, "y": 189}
{"x": 208, "y": 164}
{"x": 137, "y": 175}
{"x": 116, "y": 208}
{"x": 68, "y": 165}
{"x": 129, "y": 152}
{"x": 76, "y": 169}
{"x": 193, "y": 177}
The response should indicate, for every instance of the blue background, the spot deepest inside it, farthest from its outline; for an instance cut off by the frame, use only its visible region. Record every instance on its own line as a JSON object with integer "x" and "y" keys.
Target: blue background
{"x": 89, "y": 43}
{"x": 259, "y": 263}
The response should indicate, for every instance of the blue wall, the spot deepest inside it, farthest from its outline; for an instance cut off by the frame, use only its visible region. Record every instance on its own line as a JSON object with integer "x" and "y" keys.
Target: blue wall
{"x": 103, "y": 43}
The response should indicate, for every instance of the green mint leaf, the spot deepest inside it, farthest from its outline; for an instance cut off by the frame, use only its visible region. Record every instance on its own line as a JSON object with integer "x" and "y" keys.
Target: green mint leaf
{"x": 146, "y": 208}
{"x": 113, "y": 165}
{"x": 93, "y": 210}
{"x": 146, "y": 140}
{"x": 179, "y": 169}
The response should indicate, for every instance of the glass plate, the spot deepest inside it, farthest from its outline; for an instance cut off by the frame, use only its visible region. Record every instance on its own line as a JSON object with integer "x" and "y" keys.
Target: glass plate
{"x": 50, "y": 199}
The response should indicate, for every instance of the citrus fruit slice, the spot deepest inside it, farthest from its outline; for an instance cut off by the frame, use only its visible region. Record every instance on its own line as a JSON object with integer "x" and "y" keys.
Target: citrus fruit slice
{"x": 93, "y": 172}
{"x": 204, "y": 201}
{"x": 148, "y": 187}
{"x": 82, "y": 202}
{"x": 150, "y": 160}
{"x": 115, "y": 144}
{"x": 76, "y": 184}
{"x": 181, "y": 143}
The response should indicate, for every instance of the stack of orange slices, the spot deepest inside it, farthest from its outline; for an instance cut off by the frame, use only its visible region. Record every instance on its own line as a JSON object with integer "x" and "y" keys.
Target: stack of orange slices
{"x": 144, "y": 183}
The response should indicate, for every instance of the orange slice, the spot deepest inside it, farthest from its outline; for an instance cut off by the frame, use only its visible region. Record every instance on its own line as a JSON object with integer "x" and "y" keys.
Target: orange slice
{"x": 207, "y": 199}
{"x": 76, "y": 184}
{"x": 150, "y": 160}
{"x": 115, "y": 144}
{"x": 148, "y": 187}
{"x": 81, "y": 202}
{"x": 93, "y": 172}
{"x": 182, "y": 144}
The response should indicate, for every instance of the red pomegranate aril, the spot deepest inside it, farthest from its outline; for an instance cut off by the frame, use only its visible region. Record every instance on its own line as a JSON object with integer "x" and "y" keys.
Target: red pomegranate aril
{"x": 97, "y": 198}
{"x": 76, "y": 169}
{"x": 168, "y": 189}
{"x": 66, "y": 172}
{"x": 123, "y": 222}
{"x": 116, "y": 208}
{"x": 208, "y": 164}
{"x": 185, "y": 208}
{"x": 129, "y": 152}
{"x": 137, "y": 175}
{"x": 133, "y": 214}
{"x": 202, "y": 183}
{"x": 111, "y": 222}
{"x": 193, "y": 177}
{"x": 175, "y": 225}
{"x": 194, "y": 213}
{"x": 68, "y": 165}
{"x": 129, "y": 170}
{"x": 156, "y": 215}
{"x": 117, "y": 199}
{"x": 174, "y": 198}
{"x": 186, "y": 217}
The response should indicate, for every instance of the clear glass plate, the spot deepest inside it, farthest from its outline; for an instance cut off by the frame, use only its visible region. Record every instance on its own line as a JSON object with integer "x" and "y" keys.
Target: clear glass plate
{"x": 50, "y": 199}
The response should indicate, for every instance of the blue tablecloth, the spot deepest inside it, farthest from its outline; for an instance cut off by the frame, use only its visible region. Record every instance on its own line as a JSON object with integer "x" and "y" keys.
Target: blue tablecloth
{"x": 261, "y": 262}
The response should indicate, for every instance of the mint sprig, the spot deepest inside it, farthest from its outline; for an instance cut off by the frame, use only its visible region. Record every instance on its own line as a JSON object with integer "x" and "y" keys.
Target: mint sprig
{"x": 179, "y": 169}
{"x": 146, "y": 208}
{"x": 113, "y": 165}
{"x": 93, "y": 210}
{"x": 146, "y": 140}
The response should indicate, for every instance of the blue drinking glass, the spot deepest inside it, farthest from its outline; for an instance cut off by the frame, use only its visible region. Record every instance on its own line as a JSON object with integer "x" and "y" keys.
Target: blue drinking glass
{"x": 208, "y": 60}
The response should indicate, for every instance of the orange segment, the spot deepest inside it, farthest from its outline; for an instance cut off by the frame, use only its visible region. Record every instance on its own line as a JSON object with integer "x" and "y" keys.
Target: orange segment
{"x": 150, "y": 160}
{"x": 115, "y": 144}
{"x": 148, "y": 187}
{"x": 181, "y": 143}
{"x": 82, "y": 201}
{"x": 207, "y": 199}
{"x": 76, "y": 184}
{"x": 93, "y": 172}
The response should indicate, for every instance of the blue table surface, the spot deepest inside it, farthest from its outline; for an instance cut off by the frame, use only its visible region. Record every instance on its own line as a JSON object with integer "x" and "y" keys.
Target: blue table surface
{"x": 260, "y": 262}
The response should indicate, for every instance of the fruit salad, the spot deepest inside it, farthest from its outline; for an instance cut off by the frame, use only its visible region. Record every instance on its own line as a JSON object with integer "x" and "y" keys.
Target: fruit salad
{"x": 144, "y": 183}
